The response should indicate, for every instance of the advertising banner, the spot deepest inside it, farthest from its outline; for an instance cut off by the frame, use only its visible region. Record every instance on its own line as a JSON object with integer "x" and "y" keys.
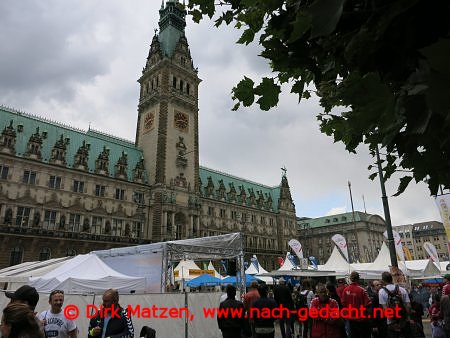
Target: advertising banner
{"x": 297, "y": 247}
{"x": 443, "y": 204}
{"x": 341, "y": 244}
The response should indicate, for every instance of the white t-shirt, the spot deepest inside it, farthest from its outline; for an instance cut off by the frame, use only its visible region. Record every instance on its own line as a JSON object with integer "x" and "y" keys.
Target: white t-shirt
{"x": 383, "y": 296}
{"x": 56, "y": 324}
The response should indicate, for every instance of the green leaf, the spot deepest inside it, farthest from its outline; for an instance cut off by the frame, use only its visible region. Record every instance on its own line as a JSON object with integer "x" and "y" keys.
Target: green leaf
{"x": 269, "y": 93}
{"x": 325, "y": 15}
{"x": 404, "y": 181}
{"x": 247, "y": 36}
{"x": 300, "y": 26}
{"x": 244, "y": 92}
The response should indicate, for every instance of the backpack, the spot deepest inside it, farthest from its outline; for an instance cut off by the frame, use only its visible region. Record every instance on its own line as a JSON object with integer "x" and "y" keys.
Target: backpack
{"x": 394, "y": 301}
{"x": 301, "y": 301}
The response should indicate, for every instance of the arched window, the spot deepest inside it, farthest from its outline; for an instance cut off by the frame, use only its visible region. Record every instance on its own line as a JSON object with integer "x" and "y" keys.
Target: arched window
{"x": 44, "y": 254}
{"x": 16, "y": 256}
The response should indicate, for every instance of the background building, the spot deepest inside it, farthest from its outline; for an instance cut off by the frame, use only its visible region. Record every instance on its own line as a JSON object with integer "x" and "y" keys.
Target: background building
{"x": 363, "y": 232}
{"x": 66, "y": 191}
{"x": 414, "y": 235}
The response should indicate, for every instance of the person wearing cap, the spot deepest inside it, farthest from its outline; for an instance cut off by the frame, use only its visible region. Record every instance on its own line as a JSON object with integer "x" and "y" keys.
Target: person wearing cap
{"x": 25, "y": 294}
{"x": 355, "y": 296}
{"x": 446, "y": 287}
{"x": 55, "y": 323}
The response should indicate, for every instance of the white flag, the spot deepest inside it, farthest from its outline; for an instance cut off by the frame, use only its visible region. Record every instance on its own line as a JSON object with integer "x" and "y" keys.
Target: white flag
{"x": 297, "y": 247}
{"x": 341, "y": 244}
{"x": 398, "y": 244}
{"x": 431, "y": 251}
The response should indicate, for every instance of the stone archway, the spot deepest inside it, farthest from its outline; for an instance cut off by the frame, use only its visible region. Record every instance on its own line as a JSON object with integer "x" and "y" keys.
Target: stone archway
{"x": 180, "y": 225}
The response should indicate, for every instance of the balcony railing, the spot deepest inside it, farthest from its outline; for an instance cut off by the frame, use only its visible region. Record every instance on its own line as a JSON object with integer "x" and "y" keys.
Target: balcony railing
{"x": 28, "y": 231}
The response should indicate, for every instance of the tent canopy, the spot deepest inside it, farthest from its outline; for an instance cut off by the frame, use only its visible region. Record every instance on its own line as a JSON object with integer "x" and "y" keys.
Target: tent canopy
{"x": 227, "y": 246}
{"x": 204, "y": 280}
{"x": 233, "y": 279}
{"x": 86, "y": 274}
{"x": 336, "y": 262}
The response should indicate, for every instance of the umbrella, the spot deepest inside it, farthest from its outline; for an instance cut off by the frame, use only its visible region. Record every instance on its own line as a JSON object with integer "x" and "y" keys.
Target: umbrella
{"x": 204, "y": 280}
{"x": 232, "y": 280}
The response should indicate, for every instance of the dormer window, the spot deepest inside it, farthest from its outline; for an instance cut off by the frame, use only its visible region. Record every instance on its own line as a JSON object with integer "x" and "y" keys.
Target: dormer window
{"x": 59, "y": 151}
{"x": 82, "y": 156}
{"x": 8, "y": 138}
{"x": 34, "y": 146}
{"x": 102, "y": 162}
{"x": 122, "y": 167}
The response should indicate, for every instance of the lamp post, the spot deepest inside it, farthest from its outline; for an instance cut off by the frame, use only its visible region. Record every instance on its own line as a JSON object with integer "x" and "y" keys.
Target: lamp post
{"x": 387, "y": 214}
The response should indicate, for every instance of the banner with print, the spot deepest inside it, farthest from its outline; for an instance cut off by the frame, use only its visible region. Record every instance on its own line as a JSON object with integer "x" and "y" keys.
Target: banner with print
{"x": 341, "y": 244}
{"x": 431, "y": 251}
{"x": 297, "y": 247}
{"x": 398, "y": 244}
{"x": 443, "y": 204}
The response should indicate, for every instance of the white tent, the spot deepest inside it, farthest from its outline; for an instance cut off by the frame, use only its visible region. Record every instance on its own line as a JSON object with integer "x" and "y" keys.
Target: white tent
{"x": 87, "y": 274}
{"x": 211, "y": 267}
{"x": 336, "y": 263}
{"x": 287, "y": 265}
{"x": 257, "y": 271}
{"x": 183, "y": 270}
{"x": 20, "y": 274}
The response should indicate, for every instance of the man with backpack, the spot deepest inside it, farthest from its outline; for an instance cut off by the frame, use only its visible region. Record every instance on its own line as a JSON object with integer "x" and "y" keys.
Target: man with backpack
{"x": 396, "y": 298}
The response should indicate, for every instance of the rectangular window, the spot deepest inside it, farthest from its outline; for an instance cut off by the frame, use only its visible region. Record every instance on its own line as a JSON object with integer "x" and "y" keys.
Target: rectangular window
{"x": 253, "y": 218}
{"x": 23, "y": 216}
{"x": 138, "y": 197}
{"x": 4, "y": 172}
{"x": 244, "y": 217}
{"x": 120, "y": 194}
{"x": 271, "y": 221}
{"x": 100, "y": 190}
{"x": 78, "y": 186}
{"x": 97, "y": 223}
{"x": 117, "y": 227}
{"x": 136, "y": 231}
{"x": 210, "y": 211}
{"x": 54, "y": 182}
{"x": 233, "y": 215}
{"x": 50, "y": 219}
{"x": 74, "y": 222}
{"x": 29, "y": 177}
{"x": 222, "y": 213}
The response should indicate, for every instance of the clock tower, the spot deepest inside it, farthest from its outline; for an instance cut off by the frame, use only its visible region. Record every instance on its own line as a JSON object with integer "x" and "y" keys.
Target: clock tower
{"x": 167, "y": 126}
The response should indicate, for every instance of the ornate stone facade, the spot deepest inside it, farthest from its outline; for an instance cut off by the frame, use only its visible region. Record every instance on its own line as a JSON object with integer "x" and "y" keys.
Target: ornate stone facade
{"x": 65, "y": 191}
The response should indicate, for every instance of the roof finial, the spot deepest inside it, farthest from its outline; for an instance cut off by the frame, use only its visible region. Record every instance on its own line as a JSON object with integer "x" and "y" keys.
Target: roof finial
{"x": 162, "y": 4}
{"x": 284, "y": 170}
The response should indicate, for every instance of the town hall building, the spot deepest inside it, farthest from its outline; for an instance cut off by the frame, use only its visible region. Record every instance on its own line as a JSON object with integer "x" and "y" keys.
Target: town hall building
{"x": 65, "y": 191}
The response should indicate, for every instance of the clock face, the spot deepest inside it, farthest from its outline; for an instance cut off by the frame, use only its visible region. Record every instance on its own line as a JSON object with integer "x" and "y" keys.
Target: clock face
{"x": 148, "y": 121}
{"x": 181, "y": 121}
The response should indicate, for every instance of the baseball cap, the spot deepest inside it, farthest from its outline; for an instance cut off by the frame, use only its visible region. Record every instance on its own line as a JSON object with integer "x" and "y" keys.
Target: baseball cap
{"x": 447, "y": 276}
{"x": 25, "y": 293}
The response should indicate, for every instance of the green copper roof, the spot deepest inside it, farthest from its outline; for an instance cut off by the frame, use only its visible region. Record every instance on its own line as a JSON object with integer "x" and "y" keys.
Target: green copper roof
{"x": 229, "y": 180}
{"x": 97, "y": 141}
{"x": 171, "y": 26}
{"x": 333, "y": 219}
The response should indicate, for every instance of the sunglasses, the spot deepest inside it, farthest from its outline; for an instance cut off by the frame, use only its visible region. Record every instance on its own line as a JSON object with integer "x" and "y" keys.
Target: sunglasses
{"x": 54, "y": 292}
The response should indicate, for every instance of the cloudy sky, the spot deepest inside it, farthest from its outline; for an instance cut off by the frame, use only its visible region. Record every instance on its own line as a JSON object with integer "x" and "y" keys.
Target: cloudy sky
{"x": 77, "y": 62}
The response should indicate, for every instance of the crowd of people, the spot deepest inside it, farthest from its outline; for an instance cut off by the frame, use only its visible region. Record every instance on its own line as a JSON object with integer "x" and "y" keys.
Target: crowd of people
{"x": 20, "y": 320}
{"x": 387, "y": 309}
{"x": 292, "y": 307}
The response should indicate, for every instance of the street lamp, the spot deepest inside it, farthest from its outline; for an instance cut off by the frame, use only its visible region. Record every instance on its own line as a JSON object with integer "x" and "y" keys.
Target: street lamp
{"x": 387, "y": 214}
